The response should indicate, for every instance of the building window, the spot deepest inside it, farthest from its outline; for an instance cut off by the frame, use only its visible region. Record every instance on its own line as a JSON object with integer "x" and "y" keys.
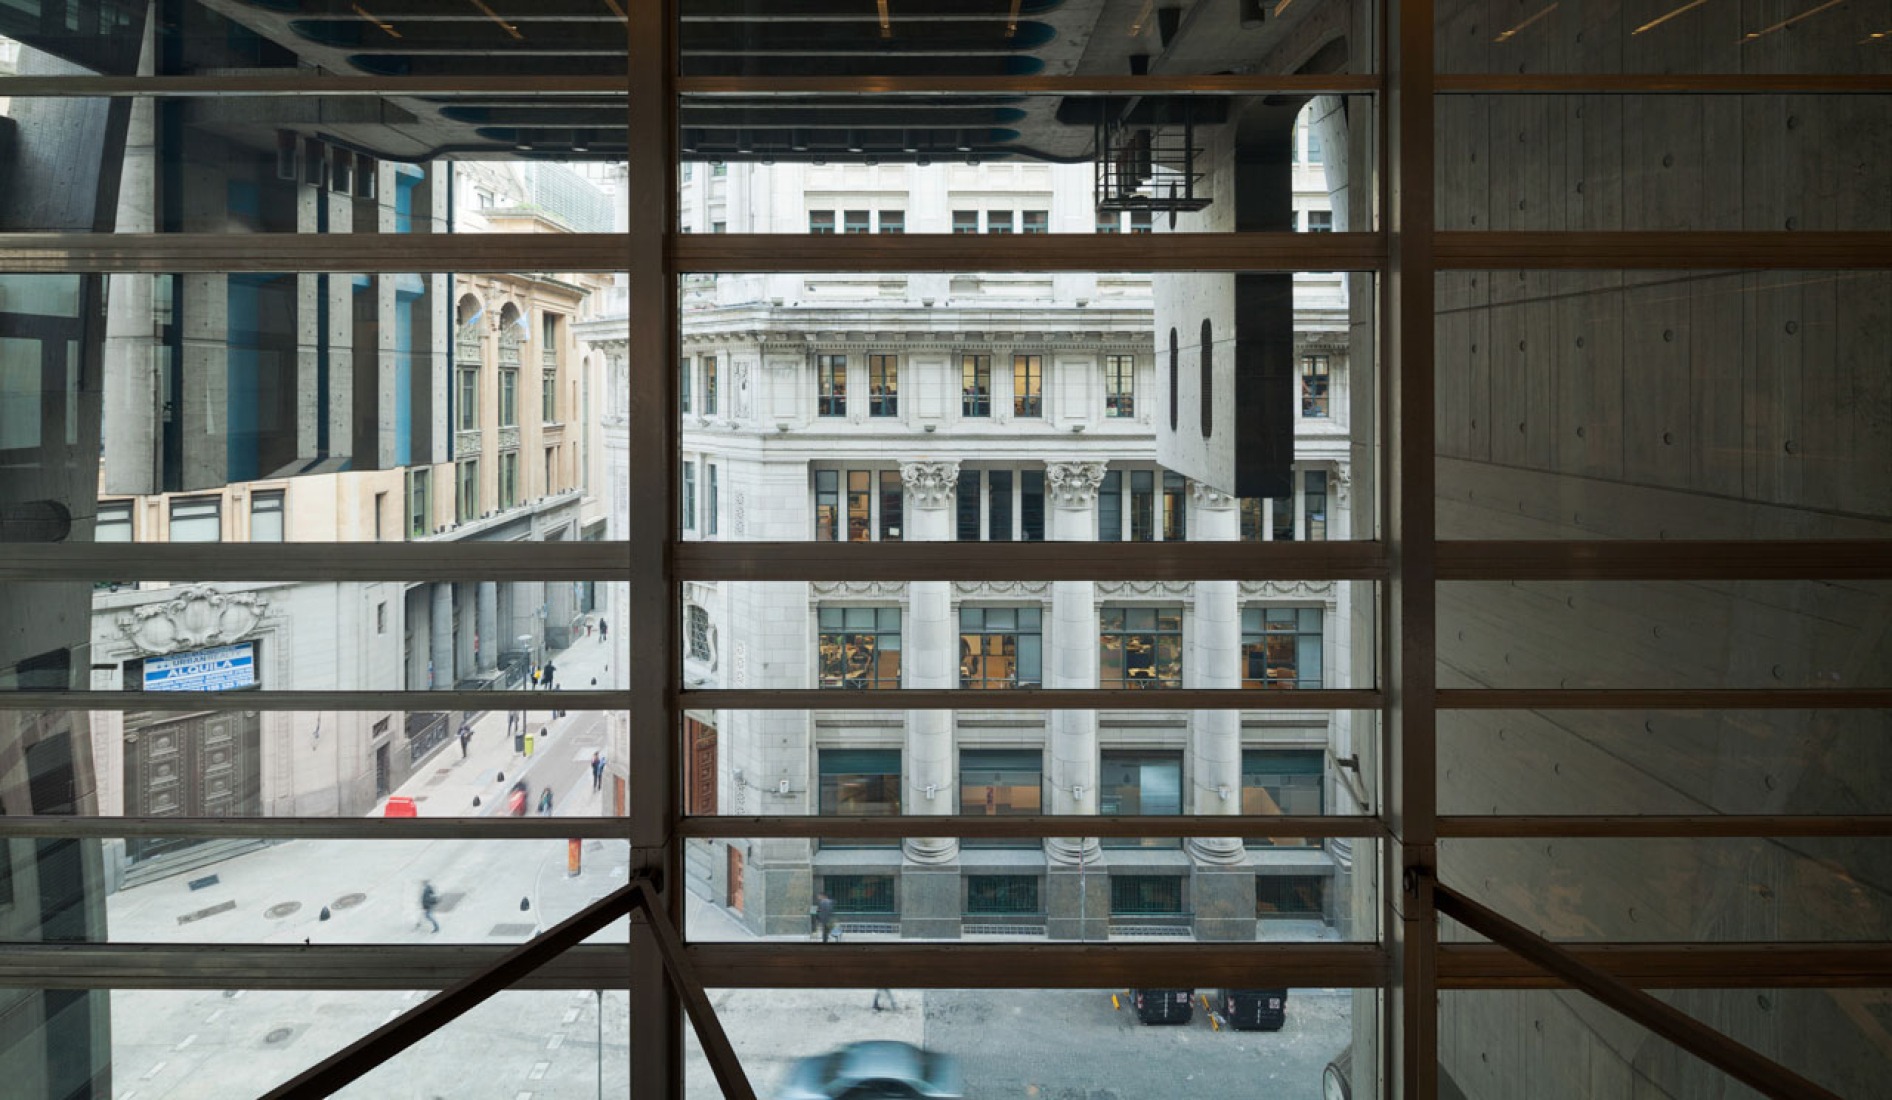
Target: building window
{"x": 860, "y": 782}
{"x": 1314, "y": 153}
{"x": 1139, "y": 221}
{"x": 1119, "y": 386}
{"x": 883, "y": 385}
{"x": 683, "y": 384}
{"x": 998, "y": 783}
{"x": 266, "y": 517}
{"x": 827, "y": 505}
{"x": 998, "y": 221}
{"x": 965, "y": 221}
{"x": 831, "y": 385}
{"x": 1111, "y": 222}
{"x": 419, "y": 510}
{"x": 699, "y": 634}
{"x": 1283, "y": 782}
{"x": 893, "y": 221}
{"x": 968, "y": 506}
{"x": 1314, "y": 505}
{"x": 1141, "y": 647}
{"x": 114, "y": 523}
{"x": 1028, "y": 377}
{"x": 1314, "y": 383}
{"x": 548, "y": 397}
{"x": 1031, "y": 505}
{"x": 892, "y": 500}
{"x": 861, "y": 895}
{"x": 1147, "y": 783}
{"x": 1037, "y": 221}
{"x": 469, "y": 418}
{"x": 381, "y": 617}
{"x": 1281, "y": 518}
{"x": 857, "y": 221}
{"x": 1175, "y": 507}
{"x": 1291, "y": 896}
{"x": 689, "y": 495}
{"x": 1142, "y": 506}
{"x": 709, "y": 385}
{"x": 1320, "y": 221}
{"x": 711, "y": 505}
{"x": 860, "y": 647}
{"x": 1000, "y": 647}
{"x": 860, "y": 504}
{"x": 1146, "y": 895}
{"x": 821, "y": 222}
{"x": 1254, "y": 519}
{"x": 975, "y": 385}
{"x": 508, "y": 398}
{"x": 998, "y": 523}
{"x": 197, "y": 519}
{"x": 718, "y": 169}
{"x": 1110, "y": 507}
{"x": 466, "y": 503}
{"x": 508, "y": 480}
{"x": 1002, "y": 896}
{"x": 719, "y": 227}
{"x": 1281, "y": 647}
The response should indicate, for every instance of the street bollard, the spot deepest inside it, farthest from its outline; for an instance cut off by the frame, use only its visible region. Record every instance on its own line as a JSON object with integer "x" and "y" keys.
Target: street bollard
{"x": 574, "y": 857}
{"x": 528, "y": 743}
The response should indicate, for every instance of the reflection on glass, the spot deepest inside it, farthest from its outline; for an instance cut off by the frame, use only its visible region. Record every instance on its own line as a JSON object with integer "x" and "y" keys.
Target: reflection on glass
{"x": 1140, "y": 647}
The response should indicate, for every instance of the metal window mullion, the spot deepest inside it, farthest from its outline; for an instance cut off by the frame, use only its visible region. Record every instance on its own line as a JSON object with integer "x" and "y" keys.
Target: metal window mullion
{"x": 727, "y": 253}
{"x": 1307, "y": 84}
{"x": 345, "y": 253}
{"x": 303, "y": 562}
{"x": 1665, "y": 560}
{"x": 1663, "y": 250}
{"x": 1034, "y": 699}
{"x": 1665, "y": 699}
{"x": 302, "y": 701}
{"x": 1096, "y": 561}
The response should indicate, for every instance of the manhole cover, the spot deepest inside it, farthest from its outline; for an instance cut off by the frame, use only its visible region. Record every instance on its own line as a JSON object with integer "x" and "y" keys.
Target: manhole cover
{"x": 279, "y": 1035}
{"x": 278, "y": 912}
{"x": 348, "y": 901}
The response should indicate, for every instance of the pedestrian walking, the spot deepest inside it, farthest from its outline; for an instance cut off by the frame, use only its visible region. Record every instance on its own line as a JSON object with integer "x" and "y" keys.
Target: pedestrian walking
{"x": 604, "y": 631}
{"x": 512, "y": 721}
{"x": 538, "y": 676}
{"x": 891, "y": 1005}
{"x": 597, "y": 771}
{"x": 824, "y": 915}
{"x": 466, "y": 734}
{"x": 551, "y": 674}
{"x": 545, "y": 802}
{"x": 428, "y": 899}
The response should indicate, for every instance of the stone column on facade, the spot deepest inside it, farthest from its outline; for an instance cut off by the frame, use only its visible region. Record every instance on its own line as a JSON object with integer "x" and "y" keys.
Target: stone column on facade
{"x": 1224, "y": 888}
{"x": 440, "y": 637}
{"x": 1077, "y": 895}
{"x": 488, "y": 617}
{"x": 929, "y": 902}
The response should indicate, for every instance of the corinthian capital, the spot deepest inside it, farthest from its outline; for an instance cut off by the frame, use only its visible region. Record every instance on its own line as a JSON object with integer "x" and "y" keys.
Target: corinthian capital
{"x": 1207, "y": 496}
{"x": 930, "y": 483}
{"x": 1073, "y": 484}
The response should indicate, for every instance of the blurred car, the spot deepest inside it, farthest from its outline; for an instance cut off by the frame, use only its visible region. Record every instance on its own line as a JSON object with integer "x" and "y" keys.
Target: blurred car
{"x": 1336, "y": 1082}
{"x": 1255, "y": 1009}
{"x": 877, "y": 1070}
{"x": 401, "y": 805}
{"x": 1164, "y": 1006}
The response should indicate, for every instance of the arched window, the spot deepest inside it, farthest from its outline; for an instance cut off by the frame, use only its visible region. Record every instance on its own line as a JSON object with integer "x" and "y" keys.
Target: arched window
{"x": 1207, "y": 402}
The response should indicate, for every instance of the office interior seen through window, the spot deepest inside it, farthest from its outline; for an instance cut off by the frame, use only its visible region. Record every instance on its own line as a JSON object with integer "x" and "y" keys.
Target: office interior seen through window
{"x": 499, "y": 445}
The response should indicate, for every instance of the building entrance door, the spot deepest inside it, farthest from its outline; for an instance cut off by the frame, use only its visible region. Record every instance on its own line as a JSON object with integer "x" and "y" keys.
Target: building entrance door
{"x": 381, "y": 786}
{"x": 195, "y": 765}
{"x": 735, "y": 878}
{"x": 702, "y": 742}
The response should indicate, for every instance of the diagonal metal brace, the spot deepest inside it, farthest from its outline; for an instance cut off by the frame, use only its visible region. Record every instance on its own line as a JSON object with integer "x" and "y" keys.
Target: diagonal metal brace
{"x": 1736, "y": 1059}
{"x": 709, "y": 1030}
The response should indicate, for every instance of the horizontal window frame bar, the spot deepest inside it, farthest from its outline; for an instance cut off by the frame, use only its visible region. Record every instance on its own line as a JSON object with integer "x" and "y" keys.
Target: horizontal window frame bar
{"x": 1167, "y": 84}
{"x": 1662, "y": 250}
{"x": 1664, "y": 560}
{"x": 496, "y": 827}
{"x": 1660, "y": 83}
{"x": 1671, "y": 965}
{"x": 1026, "y": 827}
{"x": 260, "y": 84}
{"x": 314, "y": 562}
{"x": 303, "y": 702}
{"x": 1030, "y": 561}
{"x": 864, "y": 253}
{"x": 1031, "y": 966}
{"x": 1034, "y": 699}
{"x": 1640, "y": 699}
{"x": 312, "y": 253}
{"x": 1661, "y": 826}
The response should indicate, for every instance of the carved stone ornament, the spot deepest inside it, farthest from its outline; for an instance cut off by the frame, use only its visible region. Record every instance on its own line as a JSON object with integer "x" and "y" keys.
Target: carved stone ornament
{"x": 931, "y": 483}
{"x": 195, "y": 618}
{"x": 1299, "y": 590}
{"x": 989, "y": 589}
{"x": 1127, "y": 589}
{"x": 1208, "y": 497}
{"x": 1073, "y": 484}
{"x": 1343, "y": 483}
{"x": 873, "y": 590}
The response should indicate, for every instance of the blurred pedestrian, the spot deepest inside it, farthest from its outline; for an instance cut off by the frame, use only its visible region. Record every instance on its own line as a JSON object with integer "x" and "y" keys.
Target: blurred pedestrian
{"x": 545, "y": 802}
{"x": 551, "y": 674}
{"x": 466, "y": 734}
{"x": 428, "y": 899}
{"x": 597, "y": 770}
{"x": 604, "y": 631}
{"x": 824, "y": 915}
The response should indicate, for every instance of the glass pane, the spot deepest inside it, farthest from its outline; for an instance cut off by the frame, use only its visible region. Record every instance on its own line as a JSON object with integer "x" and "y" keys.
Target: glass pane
{"x": 1684, "y": 890}
{"x": 1664, "y": 405}
{"x": 149, "y": 636}
{"x": 1664, "y": 762}
{"x": 1664, "y": 634}
{"x": 1027, "y": 163}
{"x": 1042, "y": 1043}
{"x": 1664, "y": 36}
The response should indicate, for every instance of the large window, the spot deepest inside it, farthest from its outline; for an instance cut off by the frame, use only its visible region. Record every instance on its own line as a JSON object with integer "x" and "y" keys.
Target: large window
{"x": 548, "y": 397}
{"x": 1028, "y": 381}
{"x": 1281, "y": 647}
{"x": 114, "y": 523}
{"x": 508, "y": 397}
{"x": 196, "y": 519}
{"x": 827, "y": 505}
{"x": 710, "y": 380}
{"x": 1277, "y": 782}
{"x": 975, "y": 385}
{"x": 965, "y": 221}
{"x": 967, "y": 526}
{"x": 712, "y": 506}
{"x": 1146, "y": 896}
{"x": 266, "y": 516}
{"x": 508, "y": 480}
{"x": 860, "y": 505}
{"x": 861, "y": 895}
{"x": 831, "y": 385}
{"x": 996, "y": 782}
{"x": 689, "y": 495}
{"x": 1140, "y": 647}
{"x": 859, "y": 783}
{"x": 1175, "y": 507}
{"x": 683, "y": 384}
{"x": 1002, "y": 896}
{"x": 1000, "y": 647}
{"x": 883, "y": 385}
{"x": 859, "y": 647}
{"x": 420, "y": 522}
{"x": 1139, "y": 783}
{"x": 466, "y": 504}
{"x": 1314, "y": 382}
{"x": 1314, "y": 505}
{"x": 857, "y": 222}
{"x": 998, "y": 522}
{"x": 469, "y": 399}
{"x": 998, "y": 221}
{"x": 892, "y": 500}
{"x": 1110, "y": 507}
{"x": 1120, "y": 386}
{"x": 893, "y": 221}
{"x": 1037, "y": 221}
{"x": 821, "y": 222}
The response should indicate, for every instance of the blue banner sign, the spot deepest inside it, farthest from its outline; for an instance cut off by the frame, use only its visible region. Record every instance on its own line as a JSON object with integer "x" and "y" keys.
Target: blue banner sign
{"x": 220, "y": 669}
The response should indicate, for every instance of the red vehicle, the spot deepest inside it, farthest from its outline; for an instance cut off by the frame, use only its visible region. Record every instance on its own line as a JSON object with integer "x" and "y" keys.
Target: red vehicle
{"x": 516, "y": 801}
{"x": 401, "y": 806}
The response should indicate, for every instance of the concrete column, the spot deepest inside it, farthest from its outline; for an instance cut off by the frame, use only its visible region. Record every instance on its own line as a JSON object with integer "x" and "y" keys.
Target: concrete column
{"x": 466, "y": 603}
{"x": 1224, "y": 887}
{"x": 132, "y": 399}
{"x": 526, "y": 598}
{"x": 488, "y": 615}
{"x": 930, "y": 661}
{"x": 1072, "y": 487}
{"x": 440, "y": 636}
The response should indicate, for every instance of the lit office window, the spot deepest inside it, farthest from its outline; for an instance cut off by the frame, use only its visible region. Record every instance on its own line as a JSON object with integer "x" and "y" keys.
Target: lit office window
{"x": 1140, "y": 647}
{"x": 892, "y": 505}
{"x": 1000, "y": 783}
{"x": 827, "y": 505}
{"x": 1139, "y": 784}
{"x": 1028, "y": 385}
{"x": 1281, "y": 647}
{"x": 1175, "y": 507}
{"x": 975, "y": 385}
{"x": 1314, "y": 506}
{"x": 859, "y": 647}
{"x": 831, "y": 385}
{"x": 1314, "y": 383}
{"x": 883, "y": 385}
{"x": 1283, "y": 782}
{"x": 1000, "y": 647}
{"x": 1119, "y": 386}
{"x": 860, "y": 504}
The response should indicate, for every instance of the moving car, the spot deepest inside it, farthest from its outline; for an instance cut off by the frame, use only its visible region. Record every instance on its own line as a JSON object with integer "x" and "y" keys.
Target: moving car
{"x": 877, "y": 1070}
{"x": 1164, "y": 1006}
{"x": 1255, "y": 1009}
{"x": 401, "y": 805}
